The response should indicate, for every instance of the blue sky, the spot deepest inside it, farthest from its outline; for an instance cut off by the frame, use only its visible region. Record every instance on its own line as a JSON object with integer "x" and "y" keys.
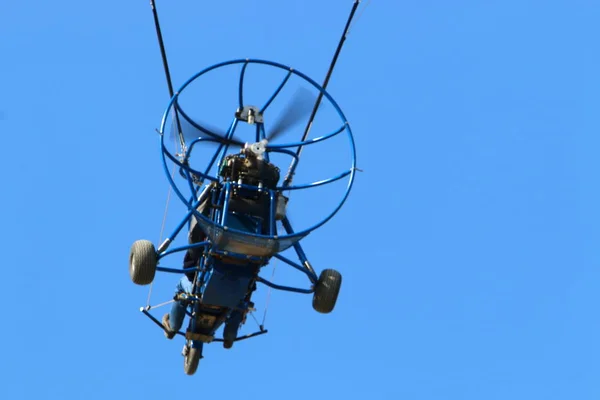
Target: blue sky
{"x": 468, "y": 245}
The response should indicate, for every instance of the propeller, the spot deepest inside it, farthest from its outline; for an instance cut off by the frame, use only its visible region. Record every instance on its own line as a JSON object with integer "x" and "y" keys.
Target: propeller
{"x": 192, "y": 130}
{"x": 299, "y": 107}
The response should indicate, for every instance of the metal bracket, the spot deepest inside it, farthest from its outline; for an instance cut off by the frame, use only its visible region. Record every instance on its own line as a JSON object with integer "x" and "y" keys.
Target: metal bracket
{"x": 250, "y": 114}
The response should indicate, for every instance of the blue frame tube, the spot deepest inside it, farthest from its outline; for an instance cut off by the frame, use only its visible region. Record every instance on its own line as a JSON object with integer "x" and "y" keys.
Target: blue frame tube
{"x": 272, "y": 211}
{"x": 309, "y": 141}
{"x": 159, "y": 324}
{"x": 226, "y": 204}
{"x": 315, "y": 184}
{"x": 257, "y": 137}
{"x": 241, "y": 84}
{"x": 190, "y": 181}
{"x": 311, "y": 275}
{"x": 164, "y": 154}
{"x": 182, "y": 223}
{"x": 177, "y": 270}
{"x": 286, "y": 288}
{"x": 281, "y": 85}
{"x": 288, "y": 228}
{"x": 183, "y": 248}
{"x": 198, "y": 140}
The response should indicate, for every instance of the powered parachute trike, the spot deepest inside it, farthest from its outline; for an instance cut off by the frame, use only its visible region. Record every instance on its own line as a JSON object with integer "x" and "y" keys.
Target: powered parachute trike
{"x": 236, "y": 210}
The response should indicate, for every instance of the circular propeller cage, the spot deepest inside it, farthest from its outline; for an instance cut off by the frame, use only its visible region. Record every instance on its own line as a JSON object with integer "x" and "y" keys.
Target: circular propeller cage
{"x": 195, "y": 179}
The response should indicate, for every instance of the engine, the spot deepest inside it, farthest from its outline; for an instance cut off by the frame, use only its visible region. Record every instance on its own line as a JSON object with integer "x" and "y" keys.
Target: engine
{"x": 250, "y": 170}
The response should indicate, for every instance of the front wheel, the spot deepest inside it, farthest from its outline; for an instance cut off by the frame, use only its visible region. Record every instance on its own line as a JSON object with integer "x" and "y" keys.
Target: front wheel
{"x": 142, "y": 262}
{"x": 327, "y": 290}
{"x": 191, "y": 359}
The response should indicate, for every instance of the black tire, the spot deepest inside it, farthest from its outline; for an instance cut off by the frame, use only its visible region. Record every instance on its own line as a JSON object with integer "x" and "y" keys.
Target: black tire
{"x": 327, "y": 290}
{"x": 142, "y": 262}
{"x": 191, "y": 360}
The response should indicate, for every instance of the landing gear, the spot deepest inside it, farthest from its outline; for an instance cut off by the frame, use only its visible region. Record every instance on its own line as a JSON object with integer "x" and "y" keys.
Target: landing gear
{"x": 191, "y": 357}
{"x": 142, "y": 262}
{"x": 327, "y": 290}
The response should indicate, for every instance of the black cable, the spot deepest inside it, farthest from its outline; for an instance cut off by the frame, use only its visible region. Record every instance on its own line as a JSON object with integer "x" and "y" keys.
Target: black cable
{"x": 166, "y": 68}
{"x": 288, "y": 178}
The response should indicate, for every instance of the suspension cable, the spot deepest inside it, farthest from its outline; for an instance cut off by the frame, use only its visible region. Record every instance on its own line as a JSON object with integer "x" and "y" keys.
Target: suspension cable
{"x": 358, "y": 17}
{"x": 163, "y": 54}
{"x": 180, "y": 133}
{"x": 269, "y": 295}
{"x": 162, "y": 228}
{"x": 289, "y": 176}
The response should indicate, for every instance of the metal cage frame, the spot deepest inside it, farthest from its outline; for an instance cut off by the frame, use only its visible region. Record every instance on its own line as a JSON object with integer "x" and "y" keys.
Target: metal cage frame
{"x": 194, "y": 180}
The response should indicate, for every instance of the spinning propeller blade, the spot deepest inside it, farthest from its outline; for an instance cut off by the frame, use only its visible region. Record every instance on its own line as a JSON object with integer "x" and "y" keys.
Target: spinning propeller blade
{"x": 299, "y": 107}
{"x": 192, "y": 130}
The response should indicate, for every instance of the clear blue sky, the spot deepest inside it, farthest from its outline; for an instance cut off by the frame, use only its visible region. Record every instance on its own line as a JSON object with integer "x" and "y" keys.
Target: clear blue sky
{"x": 468, "y": 245}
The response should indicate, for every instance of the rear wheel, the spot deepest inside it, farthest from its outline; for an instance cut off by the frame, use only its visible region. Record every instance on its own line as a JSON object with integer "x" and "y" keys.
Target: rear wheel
{"x": 142, "y": 262}
{"x": 191, "y": 359}
{"x": 327, "y": 290}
